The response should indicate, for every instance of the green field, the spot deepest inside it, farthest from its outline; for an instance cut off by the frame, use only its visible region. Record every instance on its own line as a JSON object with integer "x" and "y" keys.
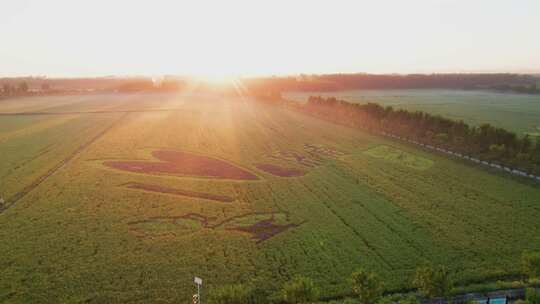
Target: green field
{"x": 74, "y": 232}
{"x": 519, "y": 113}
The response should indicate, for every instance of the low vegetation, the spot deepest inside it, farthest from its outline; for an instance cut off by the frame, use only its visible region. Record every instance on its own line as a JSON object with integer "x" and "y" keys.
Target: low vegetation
{"x": 530, "y": 264}
{"x": 430, "y": 282}
{"x": 433, "y": 281}
{"x": 532, "y": 296}
{"x": 300, "y": 290}
{"x": 231, "y": 294}
{"x": 400, "y": 157}
{"x": 366, "y": 286}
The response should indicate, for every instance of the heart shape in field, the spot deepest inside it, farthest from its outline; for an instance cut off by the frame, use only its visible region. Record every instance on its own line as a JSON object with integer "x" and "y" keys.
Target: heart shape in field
{"x": 179, "y": 163}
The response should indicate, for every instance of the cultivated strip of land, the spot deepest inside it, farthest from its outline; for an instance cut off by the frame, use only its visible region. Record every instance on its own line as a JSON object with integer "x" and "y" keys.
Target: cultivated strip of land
{"x": 19, "y": 195}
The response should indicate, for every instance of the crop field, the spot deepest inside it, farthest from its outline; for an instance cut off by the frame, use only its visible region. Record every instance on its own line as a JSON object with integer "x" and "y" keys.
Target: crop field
{"x": 124, "y": 198}
{"x": 519, "y": 113}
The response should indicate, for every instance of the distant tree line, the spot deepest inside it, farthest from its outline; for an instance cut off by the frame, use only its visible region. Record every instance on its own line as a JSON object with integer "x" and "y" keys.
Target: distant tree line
{"x": 532, "y": 88}
{"x": 30, "y": 86}
{"x": 14, "y": 90}
{"x": 336, "y": 82}
{"x": 485, "y": 142}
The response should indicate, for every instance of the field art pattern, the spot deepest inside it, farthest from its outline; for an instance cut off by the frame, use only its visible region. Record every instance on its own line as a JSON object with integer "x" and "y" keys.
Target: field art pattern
{"x": 76, "y": 230}
{"x": 399, "y": 157}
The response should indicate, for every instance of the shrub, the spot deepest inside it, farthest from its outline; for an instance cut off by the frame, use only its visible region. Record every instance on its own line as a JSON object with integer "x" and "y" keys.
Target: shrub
{"x": 433, "y": 281}
{"x": 532, "y": 295}
{"x": 300, "y": 290}
{"x": 410, "y": 299}
{"x": 366, "y": 286}
{"x": 530, "y": 264}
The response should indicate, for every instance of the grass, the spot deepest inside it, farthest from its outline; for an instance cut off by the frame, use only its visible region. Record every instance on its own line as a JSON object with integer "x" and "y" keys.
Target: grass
{"x": 519, "y": 113}
{"x": 72, "y": 237}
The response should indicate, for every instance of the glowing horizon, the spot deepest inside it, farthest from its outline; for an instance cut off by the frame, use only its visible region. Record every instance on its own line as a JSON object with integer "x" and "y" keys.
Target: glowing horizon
{"x": 222, "y": 39}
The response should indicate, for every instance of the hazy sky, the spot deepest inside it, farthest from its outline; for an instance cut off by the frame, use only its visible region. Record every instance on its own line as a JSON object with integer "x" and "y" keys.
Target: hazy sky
{"x": 105, "y": 37}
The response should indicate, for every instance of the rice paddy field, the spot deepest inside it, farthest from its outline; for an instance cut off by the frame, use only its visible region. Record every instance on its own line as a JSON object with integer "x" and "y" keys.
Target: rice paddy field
{"x": 519, "y": 113}
{"x": 125, "y": 198}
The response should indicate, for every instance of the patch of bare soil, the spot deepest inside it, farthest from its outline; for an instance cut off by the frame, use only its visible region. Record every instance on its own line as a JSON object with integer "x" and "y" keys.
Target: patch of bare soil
{"x": 183, "y": 164}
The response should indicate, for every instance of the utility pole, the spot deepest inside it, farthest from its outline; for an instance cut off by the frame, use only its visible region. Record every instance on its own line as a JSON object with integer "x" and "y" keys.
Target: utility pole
{"x": 197, "y": 297}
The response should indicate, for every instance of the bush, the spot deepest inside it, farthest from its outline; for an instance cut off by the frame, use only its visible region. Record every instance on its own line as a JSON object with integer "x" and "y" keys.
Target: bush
{"x": 534, "y": 282}
{"x": 410, "y": 299}
{"x": 300, "y": 290}
{"x": 530, "y": 264}
{"x": 532, "y": 296}
{"x": 433, "y": 281}
{"x": 366, "y": 286}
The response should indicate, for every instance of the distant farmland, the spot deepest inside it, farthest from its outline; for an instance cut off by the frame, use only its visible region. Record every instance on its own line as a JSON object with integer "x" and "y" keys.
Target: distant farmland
{"x": 519, "y": 113}
{"x": 126, "y": 197}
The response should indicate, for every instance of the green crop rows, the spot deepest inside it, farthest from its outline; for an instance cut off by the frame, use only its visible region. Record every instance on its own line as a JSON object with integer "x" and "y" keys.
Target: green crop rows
{"x": 72, "y": 232}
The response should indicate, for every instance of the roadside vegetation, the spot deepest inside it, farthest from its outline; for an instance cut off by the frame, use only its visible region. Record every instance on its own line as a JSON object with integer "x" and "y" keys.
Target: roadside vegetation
{"x": 428, "y": 283}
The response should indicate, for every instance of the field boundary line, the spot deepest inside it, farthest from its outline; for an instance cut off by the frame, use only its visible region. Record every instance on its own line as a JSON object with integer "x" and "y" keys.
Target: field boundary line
{"x": 21, "y": 194}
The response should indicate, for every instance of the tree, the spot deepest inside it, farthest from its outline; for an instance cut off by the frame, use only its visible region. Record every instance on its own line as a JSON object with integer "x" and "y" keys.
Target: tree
{"x": 441, "y": 137}
{"x": 433, "y": 281}
{"x": 530, "y": 264}
{"x": 532, "y": 296}
{"x": 367, "y": 286}
{"x": 526, "y": 144}
{"x": 6, "y": 88}
{"x": 23, "y": 87}
{"x": 300, "y": 290}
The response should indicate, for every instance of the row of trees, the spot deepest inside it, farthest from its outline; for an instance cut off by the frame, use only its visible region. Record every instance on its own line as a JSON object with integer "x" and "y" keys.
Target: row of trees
{"x": 10, "y": 90}
{"x": 430, "y": 281}
{"x": 484, "y": 142}
{"x": 335, "y": 82}
{"x": 525, "y": 89}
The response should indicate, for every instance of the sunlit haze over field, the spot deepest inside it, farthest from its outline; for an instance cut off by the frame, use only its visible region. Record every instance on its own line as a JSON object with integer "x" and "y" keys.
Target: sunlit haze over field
{"x": 270, "y": 152}
{"x": 224, "y": 38}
